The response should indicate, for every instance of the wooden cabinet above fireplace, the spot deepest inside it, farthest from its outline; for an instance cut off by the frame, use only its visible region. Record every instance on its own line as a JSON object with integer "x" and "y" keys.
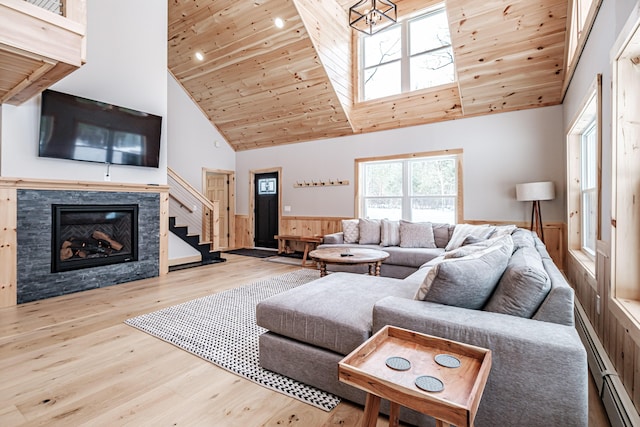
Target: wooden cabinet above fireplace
{"x": 38, "y": 47}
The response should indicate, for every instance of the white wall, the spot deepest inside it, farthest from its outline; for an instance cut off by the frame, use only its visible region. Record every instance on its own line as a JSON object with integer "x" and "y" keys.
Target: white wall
{"x": 500, "y": 150}
{"x": 595, "y": 59}
{"x": 192, "y": 139}
{"x": 126, "y": 65}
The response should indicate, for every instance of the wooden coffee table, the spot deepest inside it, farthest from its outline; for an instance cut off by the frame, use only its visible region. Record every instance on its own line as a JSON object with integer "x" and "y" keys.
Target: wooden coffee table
{"x": 462, "y": 386}
{"x": 354, "y": 256}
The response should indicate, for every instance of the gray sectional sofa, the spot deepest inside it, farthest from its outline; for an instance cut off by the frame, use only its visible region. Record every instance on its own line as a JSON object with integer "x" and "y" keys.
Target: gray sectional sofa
{"x": 403, "y": 260}
{"x": 539, "y": 374}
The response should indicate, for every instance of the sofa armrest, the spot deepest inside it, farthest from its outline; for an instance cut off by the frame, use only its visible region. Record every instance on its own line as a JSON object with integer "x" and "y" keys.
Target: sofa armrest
{"x": 333, "y": 238}
{"x": 539, "y": 369}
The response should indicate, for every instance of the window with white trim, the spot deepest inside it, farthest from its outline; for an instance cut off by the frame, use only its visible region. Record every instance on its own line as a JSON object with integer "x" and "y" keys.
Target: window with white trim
{"x": 410, "y": 55}
{"x": 589, "y": 189}
{"x": 419, "y": 188}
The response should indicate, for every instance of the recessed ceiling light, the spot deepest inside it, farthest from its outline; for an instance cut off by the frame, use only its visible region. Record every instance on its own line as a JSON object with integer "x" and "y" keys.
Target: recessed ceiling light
{"x": 199, "y": 56}
{"x": 279, "y": 22}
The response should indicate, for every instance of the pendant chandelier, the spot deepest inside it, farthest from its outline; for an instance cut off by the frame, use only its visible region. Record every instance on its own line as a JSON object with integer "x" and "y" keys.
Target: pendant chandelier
{"x": 371, "y": 16}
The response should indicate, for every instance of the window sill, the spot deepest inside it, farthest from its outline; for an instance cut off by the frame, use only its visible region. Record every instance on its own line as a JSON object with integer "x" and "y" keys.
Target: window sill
{"x": 407, "y": 95}
{"x": 587, "y": 263}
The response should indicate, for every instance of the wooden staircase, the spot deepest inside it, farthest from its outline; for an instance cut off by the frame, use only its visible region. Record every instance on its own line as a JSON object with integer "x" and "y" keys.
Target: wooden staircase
{"x": 209, "y": 256}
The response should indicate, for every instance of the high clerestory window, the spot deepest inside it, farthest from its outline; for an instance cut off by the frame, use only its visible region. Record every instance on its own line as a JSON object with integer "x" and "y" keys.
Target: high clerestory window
{"x": 413, "y": 54}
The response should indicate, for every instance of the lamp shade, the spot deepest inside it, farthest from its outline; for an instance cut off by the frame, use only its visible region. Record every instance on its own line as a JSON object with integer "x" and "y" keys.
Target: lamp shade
{"x": 532, "y": 191}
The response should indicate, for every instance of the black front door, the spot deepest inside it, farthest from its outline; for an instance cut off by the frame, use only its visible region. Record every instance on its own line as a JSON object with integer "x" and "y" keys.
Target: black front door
{"x": 266, "y": 213}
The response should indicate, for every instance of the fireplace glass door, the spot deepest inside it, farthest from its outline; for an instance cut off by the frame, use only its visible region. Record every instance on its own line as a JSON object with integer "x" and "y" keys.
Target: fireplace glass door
{"x": 93, "y": 235}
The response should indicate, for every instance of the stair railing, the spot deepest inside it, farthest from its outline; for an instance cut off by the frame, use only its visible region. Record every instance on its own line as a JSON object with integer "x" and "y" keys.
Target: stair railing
{"x": 193, "y": 209}
{"x": 72, "y": 9}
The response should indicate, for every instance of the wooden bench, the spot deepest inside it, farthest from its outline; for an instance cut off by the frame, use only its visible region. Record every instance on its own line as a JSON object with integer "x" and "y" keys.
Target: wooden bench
{"x": 310, "y": 243}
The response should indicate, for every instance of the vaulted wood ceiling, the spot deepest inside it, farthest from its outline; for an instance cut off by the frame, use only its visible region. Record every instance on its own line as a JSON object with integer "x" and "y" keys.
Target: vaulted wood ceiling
{"x": 262, "y": 86}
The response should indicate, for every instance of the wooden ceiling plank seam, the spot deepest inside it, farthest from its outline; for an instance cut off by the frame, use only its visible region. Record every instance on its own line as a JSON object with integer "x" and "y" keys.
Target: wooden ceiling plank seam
{"x": 285, "y": 81}
{"x": 297, "y": 57}
{"x": 226, "y": 33}
{"x": 243, "y": 55}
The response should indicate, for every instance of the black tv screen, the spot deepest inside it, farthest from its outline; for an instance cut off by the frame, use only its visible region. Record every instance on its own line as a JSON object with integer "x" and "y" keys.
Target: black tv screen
{"x": 77, "y": 128}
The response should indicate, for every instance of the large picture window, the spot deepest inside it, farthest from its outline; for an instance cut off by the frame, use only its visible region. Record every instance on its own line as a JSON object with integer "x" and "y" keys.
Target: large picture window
{"x": 410, "y": 55}
{"x": 420, "y": 188}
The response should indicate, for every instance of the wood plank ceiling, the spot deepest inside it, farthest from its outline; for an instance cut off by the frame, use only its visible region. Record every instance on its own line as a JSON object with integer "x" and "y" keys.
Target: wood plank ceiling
{"x": 262, "y": 86}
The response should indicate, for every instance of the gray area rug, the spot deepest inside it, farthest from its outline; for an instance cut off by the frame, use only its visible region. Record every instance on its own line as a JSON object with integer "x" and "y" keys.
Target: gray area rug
{"x": 221, "y": 328}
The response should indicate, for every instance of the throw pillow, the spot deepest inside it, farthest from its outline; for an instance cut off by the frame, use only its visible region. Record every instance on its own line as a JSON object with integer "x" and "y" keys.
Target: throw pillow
{"x": 523, "y": 238}
{"x": 350, "y": 230}
{"x": 472, "y": 240}
{"x": 389, "y": 233}
{"x": 480, "y": 245}
{"x": 462, "y": 231}
{"x": 523, "y": 286}
{"x": 442, "y": 233}
{"x": 416, "y": 235}
{"x": 502, "y": 230}
{"x": 466, "y": 282}
{"x": 369, "y": 231}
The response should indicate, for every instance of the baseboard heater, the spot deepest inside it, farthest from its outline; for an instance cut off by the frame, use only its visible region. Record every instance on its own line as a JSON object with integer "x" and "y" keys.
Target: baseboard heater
{"x": 620, "y": 409}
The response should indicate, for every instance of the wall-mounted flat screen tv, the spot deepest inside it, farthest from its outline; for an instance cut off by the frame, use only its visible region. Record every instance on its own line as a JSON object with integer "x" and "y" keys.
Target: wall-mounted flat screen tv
{"x": 77, "y": 128}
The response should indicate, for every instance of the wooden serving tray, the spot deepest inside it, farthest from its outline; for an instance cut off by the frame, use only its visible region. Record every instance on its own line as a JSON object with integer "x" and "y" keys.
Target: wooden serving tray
{"x": 457, "y": 404}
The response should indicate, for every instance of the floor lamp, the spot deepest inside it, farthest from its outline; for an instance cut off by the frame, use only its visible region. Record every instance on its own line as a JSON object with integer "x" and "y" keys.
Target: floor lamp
{"x": 536, "y": 192}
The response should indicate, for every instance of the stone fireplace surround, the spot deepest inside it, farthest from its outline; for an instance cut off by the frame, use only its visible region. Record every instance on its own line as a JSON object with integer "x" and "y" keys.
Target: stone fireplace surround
{"x": 25, "y": 215}
{"x": 34, "y": 226}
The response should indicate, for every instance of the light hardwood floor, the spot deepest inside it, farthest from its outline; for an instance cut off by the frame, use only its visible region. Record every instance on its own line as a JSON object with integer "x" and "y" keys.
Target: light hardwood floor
{"x": 71, "y": 361}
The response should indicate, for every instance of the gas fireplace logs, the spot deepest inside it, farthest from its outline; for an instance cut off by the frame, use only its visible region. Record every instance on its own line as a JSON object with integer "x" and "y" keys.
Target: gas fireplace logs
{"x": 100, "y": 245}
{"x": 99, "y": 235}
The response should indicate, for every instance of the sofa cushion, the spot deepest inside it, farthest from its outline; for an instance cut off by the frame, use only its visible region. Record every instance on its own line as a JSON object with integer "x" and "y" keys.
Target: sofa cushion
{"x": 411, "y": 257}
{"x": 340, "y": 323}
{"x": 416, "y": 235}
{"x": 478, "y": 245}
{"x": 369, "y": 230}
{"x": 522, "y": 287}
{"x": 350, "y": 230}
{"x": 442, "y": 233}
{"x": 503, "y": 230}
{"x": 466, "y": 282}
{"x": 462, "y": 231}
{"x": 522, "y": 238}
{"x": 389, "y": 233}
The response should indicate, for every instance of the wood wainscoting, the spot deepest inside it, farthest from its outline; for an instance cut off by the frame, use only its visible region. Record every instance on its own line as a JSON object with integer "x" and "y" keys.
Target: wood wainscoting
{"x": 554, "y": 233}
{"x": 619, "y": 337}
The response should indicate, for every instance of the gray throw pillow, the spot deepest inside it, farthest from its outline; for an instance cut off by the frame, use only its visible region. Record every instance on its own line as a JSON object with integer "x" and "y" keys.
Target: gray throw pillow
{"x": 480, "y": 245}
{"x": 462, "y": 231}
{"x": 350, "y": 230}
{"x": 442, "y": 233}
{"x": 416, "y": 235}
{"x": 389, "y": 233}
{"x": 523, "y": 238}
{"x": 369, "y": 231}
{"x": 466, "y": 282}
{"x": 523, "y": 286}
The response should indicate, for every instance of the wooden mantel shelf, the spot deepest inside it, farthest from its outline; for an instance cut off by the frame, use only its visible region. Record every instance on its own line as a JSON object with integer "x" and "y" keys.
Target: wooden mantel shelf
{"x": 54, "y": 184}
{"x": 38, "y": 47}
